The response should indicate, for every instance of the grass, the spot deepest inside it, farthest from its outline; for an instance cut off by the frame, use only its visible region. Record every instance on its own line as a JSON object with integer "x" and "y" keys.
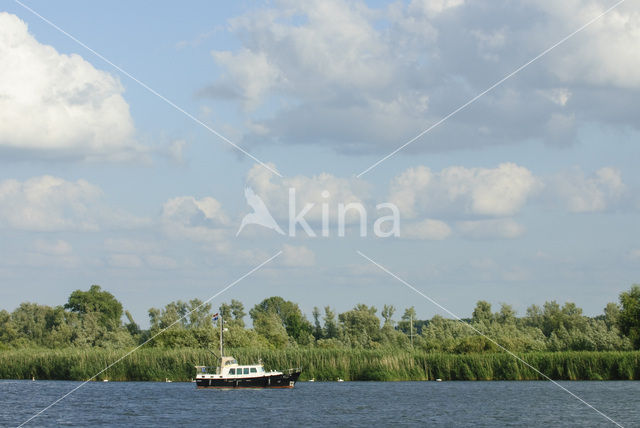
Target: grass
{"x": 154, "y": 364}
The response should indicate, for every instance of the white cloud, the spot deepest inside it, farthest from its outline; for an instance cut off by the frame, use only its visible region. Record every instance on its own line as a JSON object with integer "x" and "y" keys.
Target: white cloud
{"x": 432, "y": 7}
{"x": 197, "y": 219}
{"x": 308, "y": 190}
{"x": 425, "y": 229}
{"x": 250, "y": 71}
{"x": 297, "y": 256}
{"x": 503, "y": 228}
{"x": 176, "y": 149}
{"x": 500, "y": 191}
{"x": 365, "y": 79}
{"x": 50, "y": 203}
{"x": 607, "y": 53}
{"x": 58, "y": 105}
{"x": 598, "y": 192}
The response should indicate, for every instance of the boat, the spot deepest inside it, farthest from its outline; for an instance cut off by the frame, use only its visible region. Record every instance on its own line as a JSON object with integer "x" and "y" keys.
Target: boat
{"x": 231, "y": 375}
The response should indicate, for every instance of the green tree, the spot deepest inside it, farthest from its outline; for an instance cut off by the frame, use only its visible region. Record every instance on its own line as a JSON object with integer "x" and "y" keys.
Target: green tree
{"x": 331, "y": 329}
{"x": 611, "y": 315}
{"x": 291, "y": 317}
{"x": 405, "y": 324}
{"x": 629, "y": 317}
{"x": 98, "y": 301}
{"x": 482, "y": 312}
{"x": 317, "y": 328}
{"x": 387, "y": 314}
{"x": 269, "y": 325}
{"x": 361, "y": 326}
{"x": 8, "y": 332}
{"x": 506, "y": 315}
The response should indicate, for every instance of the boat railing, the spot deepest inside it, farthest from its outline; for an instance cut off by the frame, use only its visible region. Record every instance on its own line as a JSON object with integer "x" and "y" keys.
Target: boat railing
{"x": 208, "y": 369}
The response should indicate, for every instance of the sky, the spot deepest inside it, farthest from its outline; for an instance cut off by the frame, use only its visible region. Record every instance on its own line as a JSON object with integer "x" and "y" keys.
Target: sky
{"x": 125, "y": 153}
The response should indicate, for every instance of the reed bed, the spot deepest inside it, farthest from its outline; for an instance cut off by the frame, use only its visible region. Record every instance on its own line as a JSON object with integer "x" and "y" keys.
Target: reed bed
{"x": 156, "y": 364}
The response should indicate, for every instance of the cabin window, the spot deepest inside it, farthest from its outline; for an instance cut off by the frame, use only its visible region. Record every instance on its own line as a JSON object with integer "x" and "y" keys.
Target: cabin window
{"x": 253, "y": 370}
{"x": 246, "y": 370}
{"x": 232, "y": 371}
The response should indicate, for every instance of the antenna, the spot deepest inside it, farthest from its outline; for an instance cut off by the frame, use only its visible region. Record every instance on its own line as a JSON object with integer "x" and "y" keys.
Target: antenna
{"x": 411, "y": 335}
{"x": 221, "y": 334}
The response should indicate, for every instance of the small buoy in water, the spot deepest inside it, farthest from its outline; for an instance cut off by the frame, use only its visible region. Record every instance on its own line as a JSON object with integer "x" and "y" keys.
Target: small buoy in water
{"x": 33, "y": 378}
{"x": 438, "y": 380}
{"x": 105, "y": 380}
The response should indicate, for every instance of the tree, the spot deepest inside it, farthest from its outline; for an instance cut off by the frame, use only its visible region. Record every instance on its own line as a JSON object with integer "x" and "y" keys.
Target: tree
{"x": 331, "y": 330}
{"x": 132, "y": 327}
{"x": 360, "y": 325}
{"x": 482, "y": 312}
{"x": 294, "y": 322}
{"x": 629, "y": 317}
{"x": 506, "y": 315}
{"x": 237, "y": 310}
{"x": 233, "y": 313}
{"x": 269, "y": 325}
{"x": 611, "y": 315}
{"x": 387, "y": 314}
{"x": 317, "y": 328}
{"x": 99, "y": 301}
{"x": 405, "y": 324}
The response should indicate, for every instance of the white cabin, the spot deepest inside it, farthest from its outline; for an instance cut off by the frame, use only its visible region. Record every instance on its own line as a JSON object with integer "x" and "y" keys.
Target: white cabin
{"x": 230, "y": 369}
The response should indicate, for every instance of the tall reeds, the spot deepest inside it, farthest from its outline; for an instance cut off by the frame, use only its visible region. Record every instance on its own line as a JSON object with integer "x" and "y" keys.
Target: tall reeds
{"x": 156, "y": 364}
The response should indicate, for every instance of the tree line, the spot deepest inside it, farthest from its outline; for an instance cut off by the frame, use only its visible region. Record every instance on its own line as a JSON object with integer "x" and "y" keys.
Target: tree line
{"x": 95, "y": 318}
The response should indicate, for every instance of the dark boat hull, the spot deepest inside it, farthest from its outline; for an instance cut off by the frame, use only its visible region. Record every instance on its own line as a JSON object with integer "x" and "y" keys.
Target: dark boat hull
{"x": 285, "y": 380}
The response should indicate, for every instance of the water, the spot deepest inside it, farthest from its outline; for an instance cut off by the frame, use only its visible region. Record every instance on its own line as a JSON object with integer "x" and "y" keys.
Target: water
{"x": 446, "y": 404}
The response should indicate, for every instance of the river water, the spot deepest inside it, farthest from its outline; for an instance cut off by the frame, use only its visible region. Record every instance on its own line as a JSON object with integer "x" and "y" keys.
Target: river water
{"x": 446, "y": 404}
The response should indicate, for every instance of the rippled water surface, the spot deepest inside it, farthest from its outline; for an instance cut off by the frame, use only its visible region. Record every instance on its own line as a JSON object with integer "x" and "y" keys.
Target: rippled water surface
{"x": 322, "y": 403}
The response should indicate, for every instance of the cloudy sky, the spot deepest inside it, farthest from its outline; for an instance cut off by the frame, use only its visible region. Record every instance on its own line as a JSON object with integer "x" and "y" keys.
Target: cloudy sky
{"x": 129, "y": 170}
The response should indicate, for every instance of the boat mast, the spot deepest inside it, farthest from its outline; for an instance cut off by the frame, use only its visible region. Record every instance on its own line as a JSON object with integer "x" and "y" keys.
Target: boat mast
{"x": 221, "y": 333}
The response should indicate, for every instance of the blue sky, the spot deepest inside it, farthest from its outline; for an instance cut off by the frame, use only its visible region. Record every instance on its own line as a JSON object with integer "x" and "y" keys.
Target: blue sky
{"x": 529, "y": 194}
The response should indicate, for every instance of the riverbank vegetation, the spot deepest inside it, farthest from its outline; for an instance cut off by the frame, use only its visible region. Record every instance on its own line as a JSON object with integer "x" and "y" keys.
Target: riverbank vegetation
{"x": 87, "y": 334}
{"x": 157, "y": 364}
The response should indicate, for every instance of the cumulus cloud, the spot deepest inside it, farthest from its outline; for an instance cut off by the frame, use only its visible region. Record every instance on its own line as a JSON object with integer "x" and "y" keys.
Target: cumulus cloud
{"x": 197, "y": 219}
{"x": 297, "y": 256}
{"x": 600, "y": 191}
{"x": 462, "y": 191}
{"x": 50, "y": 203}
{"x": 56, "y": 105}
{"x": 366, "y": 79}
{"x": 317, "y": 190}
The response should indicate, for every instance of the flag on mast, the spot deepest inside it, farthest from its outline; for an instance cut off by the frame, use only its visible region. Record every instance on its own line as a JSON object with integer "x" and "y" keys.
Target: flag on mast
{"x": 215, "y": 317}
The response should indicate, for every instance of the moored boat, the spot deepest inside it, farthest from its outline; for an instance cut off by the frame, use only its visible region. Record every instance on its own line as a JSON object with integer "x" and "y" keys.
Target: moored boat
{"x": 230, "y": 375}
